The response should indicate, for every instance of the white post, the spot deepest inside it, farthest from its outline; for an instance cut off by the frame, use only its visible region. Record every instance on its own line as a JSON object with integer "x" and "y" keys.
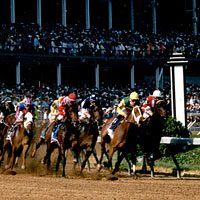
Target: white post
{"x": 18, "y": 73}
{"x": 109, "y": 14}
{"x": 64, "y": 23}
{"x": 87, "y": 13}
{"x": 39, "y": 19}
{"x": 132, "y": 76}
{"x": 97, "y": 76}
{"x": 177, "y": 63}
{"x": 154, "y": 15}
{"x": 59, "y": 75}
{"x": 12, "y": 11}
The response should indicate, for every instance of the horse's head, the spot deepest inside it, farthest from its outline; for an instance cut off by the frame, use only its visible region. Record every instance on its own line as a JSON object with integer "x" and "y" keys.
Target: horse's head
{"x": 72, "y": 114}
{"x": 160, "y": 108}
{"x": 28, "y": 122}
{"x": 135, "y": 116}
{"x": 97, "y": 114}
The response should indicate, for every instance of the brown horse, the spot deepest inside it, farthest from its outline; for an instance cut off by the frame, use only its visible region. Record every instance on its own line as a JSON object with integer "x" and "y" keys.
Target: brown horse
{"x": 124, "y": 140}
{"x": 67, "y": 136}
{"x": 5, "y": 127}
{"x": 89, "y": 132}
{"x": 20, "y": 140}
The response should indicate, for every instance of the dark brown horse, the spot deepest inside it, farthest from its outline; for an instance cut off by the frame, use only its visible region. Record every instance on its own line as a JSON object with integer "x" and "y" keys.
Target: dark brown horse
{"x": 67, "y": 136}
{"x": 5, "y": 127}
{"x": 124, "y": 140}
{"x": 20, "y": 140}
{"x": 151, "y": 131}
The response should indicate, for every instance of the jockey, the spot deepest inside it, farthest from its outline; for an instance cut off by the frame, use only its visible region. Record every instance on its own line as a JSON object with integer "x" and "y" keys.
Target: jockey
{"x": 23, "y": 108}
{"x": 52, "y": 116}
{"x": 126, "y": 104}
{"x": 64, "y": 102}
{"x": 148, "y": 105}
{"x": 86, "y": 106}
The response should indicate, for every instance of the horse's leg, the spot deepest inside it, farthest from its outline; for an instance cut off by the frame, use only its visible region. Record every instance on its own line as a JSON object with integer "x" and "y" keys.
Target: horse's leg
{"x": 12, "y": 160}
{"x": 58, "y": 161}
{"x": 150, "y": 161}
{"x": 103, "y": 151}
{"x": 5, "y": 147}
{"x": 88, "y": 162}
{"x": 87, "y": 155}
{"x": 63, "y": 164}
{"x": 41, "y": 141}
{"x": 50, "y": 150}
{"x": 133, "y": 159}
{"x": 110, "y": 155}
{"x": 117, "y": 164}
{"x": 144, "y": 166}
{"x": 94, "y": 152}
{"x": 129, "y": 164}
{"x": 24, "y": 152}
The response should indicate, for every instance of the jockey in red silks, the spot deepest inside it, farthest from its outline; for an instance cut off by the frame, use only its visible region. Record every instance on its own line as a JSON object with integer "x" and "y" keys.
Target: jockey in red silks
{"x": 148, "y": 105}
{"x": 64, "y": 102}
{"x": 23, "y": 108}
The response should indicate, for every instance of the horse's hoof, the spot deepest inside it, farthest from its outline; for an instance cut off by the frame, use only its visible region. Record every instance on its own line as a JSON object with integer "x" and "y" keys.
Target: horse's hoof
{"x": 42, "y": 162}
{"x": 75, "y": 160}
{"x": 99, "y": 167}
{"x": 23, "y": 167}
{"x": 7, "y": 166}
{"x": 33, "y": 154}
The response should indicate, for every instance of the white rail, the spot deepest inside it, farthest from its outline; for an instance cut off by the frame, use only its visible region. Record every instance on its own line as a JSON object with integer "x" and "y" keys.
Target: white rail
{"x": 175, "y": 140}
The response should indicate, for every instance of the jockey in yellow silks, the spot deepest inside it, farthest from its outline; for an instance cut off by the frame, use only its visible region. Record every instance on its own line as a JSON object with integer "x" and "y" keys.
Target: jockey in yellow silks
{"x": 127, "y": 103}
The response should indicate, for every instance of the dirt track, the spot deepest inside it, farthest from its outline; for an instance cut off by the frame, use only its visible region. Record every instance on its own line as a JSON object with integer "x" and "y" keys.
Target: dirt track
{"x": 36, "y": 183}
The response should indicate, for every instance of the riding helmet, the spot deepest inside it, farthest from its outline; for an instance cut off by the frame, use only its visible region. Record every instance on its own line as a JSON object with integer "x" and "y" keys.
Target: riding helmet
{"x": 72, "y": 97}
{"x": 157, "y": 93}
{"x": 134, "y": 96}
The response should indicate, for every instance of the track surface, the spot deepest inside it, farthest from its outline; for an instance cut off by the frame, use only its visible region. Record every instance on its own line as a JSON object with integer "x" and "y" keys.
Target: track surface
{"x": 36, "y": 183}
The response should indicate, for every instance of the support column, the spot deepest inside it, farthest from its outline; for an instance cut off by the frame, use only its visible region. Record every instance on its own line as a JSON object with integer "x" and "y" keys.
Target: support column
{"x": 159, "y": 78}
{"x": 132, "y": 76}
{"x": 154, "y": 15}
{"x": 87, "y": 13}
{"x": 39, "y": 19}
{"x": 64, "y": 23}
{"x": 97, "y": 76}
{"x": 12, "y": 11}
{"x": 177, "y": 76}
{"x": 18, "y": 73}
{"x": 194, "y": 18}
{"x": 59, "y": 75}
{"x": 109, "y": 15}
{"x": 132, "y": 16}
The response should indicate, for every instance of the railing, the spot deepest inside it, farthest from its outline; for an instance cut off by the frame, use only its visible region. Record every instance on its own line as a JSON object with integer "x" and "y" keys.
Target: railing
{"x": 88, "y": 51}
{"x": 194, "y": 124}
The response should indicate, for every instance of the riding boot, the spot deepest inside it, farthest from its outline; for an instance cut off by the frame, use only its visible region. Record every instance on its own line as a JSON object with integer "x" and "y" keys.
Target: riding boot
{"x": 10, "y": 131}
{"x": 54, "y": 134}
{"x": 44, "y": 132}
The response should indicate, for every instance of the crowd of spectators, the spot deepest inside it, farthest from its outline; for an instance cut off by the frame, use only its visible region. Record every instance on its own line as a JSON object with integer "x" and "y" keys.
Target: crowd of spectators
{"x": 109, "y": 96}
{"x": 77, "y": 41}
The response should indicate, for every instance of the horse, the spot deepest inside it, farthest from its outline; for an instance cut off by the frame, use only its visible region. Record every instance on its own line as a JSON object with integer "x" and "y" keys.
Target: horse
{"x": 151, "y": 131}
{"x": 5, "y": 127}
{"x": 89, "y": 131}
{"x": 124, "y": 140}
{"x": 67, "y": 136}
{"x": 20, "y": 140}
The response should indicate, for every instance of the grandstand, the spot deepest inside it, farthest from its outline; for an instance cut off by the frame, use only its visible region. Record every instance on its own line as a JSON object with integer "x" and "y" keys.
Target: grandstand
{"x": 95, "y": 34}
